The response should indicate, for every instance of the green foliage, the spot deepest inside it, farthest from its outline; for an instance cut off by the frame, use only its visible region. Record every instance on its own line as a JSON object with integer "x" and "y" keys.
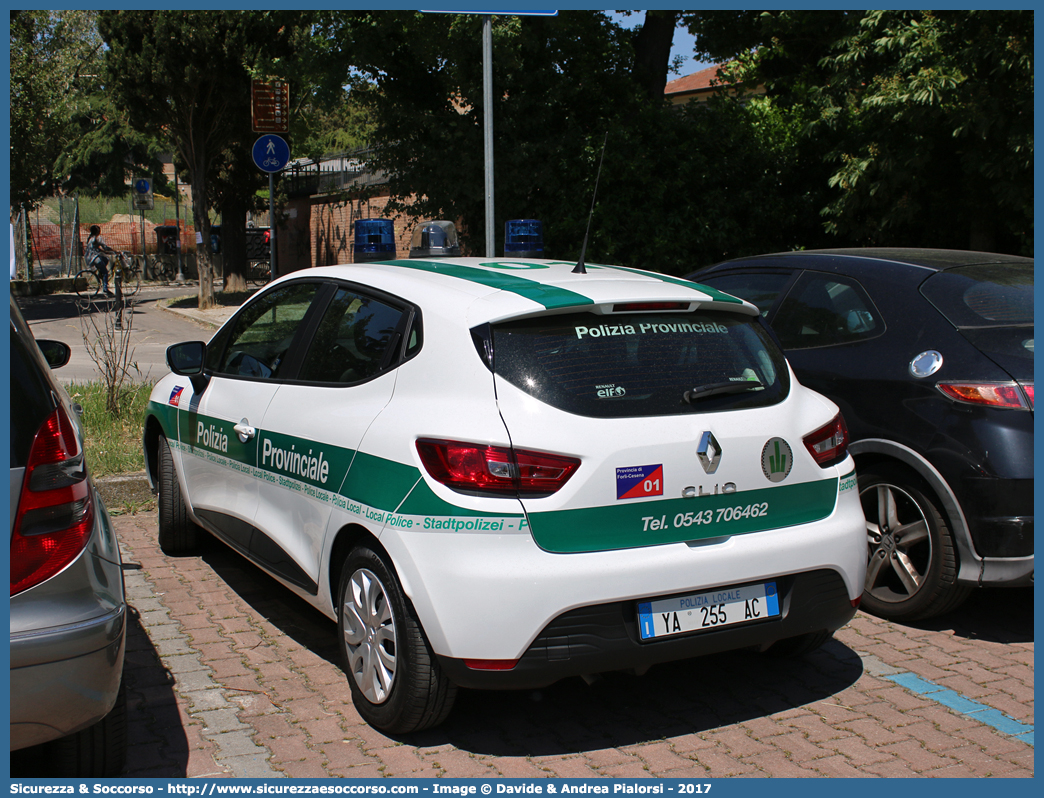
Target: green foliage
{"x": 679, "y": 188}
{"x": 939, "y": 106}
{"x": 112, "y": 440}
{"x": 65, "y": 134}
{"x": 924, "y": 120}
{"x": 188, "y": 73}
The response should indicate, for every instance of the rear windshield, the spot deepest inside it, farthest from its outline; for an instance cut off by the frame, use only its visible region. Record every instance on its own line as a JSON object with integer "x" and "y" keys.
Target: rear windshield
{"x": 983, "y": 295}
{"x": 31, "y": 399}
{"x": 643, "y": 364}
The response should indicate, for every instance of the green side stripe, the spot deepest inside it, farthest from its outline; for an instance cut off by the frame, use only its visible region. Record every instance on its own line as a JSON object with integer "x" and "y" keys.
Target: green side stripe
{"x": 547, "y": 295}
{"x": 623, "y": 526}
{"x": 166, "y": 414}
{"x": 422, "y": 501}
{"x": 378, "y": 482}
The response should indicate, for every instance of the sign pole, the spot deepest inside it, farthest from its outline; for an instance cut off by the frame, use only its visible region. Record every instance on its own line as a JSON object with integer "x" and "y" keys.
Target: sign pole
{"x": 270, "y": 114}
{"x": 271, "y": 227}
{"x": 487, "y": 124}
{"x": 177, "y": 223}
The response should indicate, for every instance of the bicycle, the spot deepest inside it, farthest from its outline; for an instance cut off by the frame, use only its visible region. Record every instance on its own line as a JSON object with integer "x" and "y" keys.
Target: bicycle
{"x": 125, "y": 269}
{"x": 164, "y": 270}
{"x": 258, "y": 272}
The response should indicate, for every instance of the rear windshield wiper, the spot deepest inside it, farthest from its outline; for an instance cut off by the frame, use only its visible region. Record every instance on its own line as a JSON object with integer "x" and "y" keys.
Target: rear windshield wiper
{"x": 715, "y": 388}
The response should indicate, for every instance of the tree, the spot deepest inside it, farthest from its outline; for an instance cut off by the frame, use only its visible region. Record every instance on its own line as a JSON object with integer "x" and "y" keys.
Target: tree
{"x": 187, "y": 74}
{"x": 55, "y": 65}
{"x": 679, "y": 188}
{"x": 924, "y": 119}
{"x": 940, "y": 107}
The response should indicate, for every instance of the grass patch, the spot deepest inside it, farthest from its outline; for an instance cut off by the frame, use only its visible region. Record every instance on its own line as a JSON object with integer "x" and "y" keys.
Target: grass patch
{"x": 113, "y": 444}
{"x": 225, "y": 299}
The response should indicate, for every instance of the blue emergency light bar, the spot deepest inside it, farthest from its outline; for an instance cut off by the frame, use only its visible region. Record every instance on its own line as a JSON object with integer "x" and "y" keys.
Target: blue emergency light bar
{"x": 374, "y": 240}
{"x": 523, "y": 238}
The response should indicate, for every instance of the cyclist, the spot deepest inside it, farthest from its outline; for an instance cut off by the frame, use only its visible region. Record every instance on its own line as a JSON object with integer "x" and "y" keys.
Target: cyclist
{"x": 95, "y": 251}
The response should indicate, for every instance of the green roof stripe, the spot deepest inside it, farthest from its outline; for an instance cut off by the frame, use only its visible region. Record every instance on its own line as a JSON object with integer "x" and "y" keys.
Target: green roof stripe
{"x": 714, "y": 294}
{"x": 547, "y": 295}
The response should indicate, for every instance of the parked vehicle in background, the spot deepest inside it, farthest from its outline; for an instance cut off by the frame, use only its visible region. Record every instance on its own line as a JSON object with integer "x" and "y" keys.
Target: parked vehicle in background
{"x": 929, "y": 355}
{"x": 498, "y": 474}
{"x": 68, "y": 612}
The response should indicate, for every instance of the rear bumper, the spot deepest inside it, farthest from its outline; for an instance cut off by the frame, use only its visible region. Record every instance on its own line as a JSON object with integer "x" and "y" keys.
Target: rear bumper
{"x": 605, "y": 637}
{"x": 68, "y": 638}
{"x": 56, "y": 697}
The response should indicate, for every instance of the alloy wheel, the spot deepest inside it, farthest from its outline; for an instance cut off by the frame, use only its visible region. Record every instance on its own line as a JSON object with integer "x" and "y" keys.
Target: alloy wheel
{"x": 369, "y": 635}
{"x": 899, "y": 541}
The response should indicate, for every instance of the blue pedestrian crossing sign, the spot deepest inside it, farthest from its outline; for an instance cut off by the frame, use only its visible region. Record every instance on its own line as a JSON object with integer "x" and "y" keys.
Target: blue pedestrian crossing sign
{"x": 143, "y": 194}
{"x": 271, "y": 153}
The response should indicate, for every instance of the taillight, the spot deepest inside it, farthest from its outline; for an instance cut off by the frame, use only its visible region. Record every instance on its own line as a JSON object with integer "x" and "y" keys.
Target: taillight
{"x": 497, "y": 470}
{"x": 55, "y": 511}
{"x": 829, "y": 444}
{"x": 990, "y": 394}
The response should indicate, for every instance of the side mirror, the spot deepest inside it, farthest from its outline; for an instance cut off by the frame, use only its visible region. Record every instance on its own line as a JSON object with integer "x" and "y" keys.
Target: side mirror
{"x": 56, "y": 353}
{"x": 186, "y": 358}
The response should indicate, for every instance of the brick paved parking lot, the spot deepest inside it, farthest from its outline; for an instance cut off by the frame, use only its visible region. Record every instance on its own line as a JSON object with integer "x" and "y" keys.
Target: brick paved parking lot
{"x": 232, "y": 675}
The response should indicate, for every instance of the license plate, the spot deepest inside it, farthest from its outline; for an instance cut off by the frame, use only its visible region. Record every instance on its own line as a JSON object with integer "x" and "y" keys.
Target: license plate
{"x": 713, "y": 609}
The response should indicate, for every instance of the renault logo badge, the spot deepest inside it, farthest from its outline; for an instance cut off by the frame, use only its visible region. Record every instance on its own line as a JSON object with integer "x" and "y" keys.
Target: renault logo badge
{"x": 708, "y": 452}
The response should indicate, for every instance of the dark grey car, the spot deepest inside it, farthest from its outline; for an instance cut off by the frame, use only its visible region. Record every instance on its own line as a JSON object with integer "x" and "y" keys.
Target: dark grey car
{"x": 68, "y": 611}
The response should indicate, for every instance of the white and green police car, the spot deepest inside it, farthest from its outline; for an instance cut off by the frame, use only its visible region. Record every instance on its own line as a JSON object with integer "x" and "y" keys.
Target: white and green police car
{"x": 496, "y": 474}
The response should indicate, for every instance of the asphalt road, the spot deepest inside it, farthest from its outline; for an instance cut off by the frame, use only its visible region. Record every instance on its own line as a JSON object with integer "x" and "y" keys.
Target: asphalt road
{"x": 152, "y": 328}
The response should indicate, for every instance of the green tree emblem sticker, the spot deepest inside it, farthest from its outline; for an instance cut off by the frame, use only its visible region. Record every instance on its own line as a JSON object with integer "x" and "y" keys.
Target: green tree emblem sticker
{"x": 776, "y": 460}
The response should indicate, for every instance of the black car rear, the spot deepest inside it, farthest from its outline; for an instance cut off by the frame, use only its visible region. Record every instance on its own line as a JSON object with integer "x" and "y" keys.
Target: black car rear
{"x": 929, "y": 354}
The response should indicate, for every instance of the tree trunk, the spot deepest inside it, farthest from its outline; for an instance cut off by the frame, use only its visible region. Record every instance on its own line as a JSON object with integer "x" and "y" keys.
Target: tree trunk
{"x": 201, "y": 219}
{"x": 233, "y": 241}
{"x": 652, "y": 51}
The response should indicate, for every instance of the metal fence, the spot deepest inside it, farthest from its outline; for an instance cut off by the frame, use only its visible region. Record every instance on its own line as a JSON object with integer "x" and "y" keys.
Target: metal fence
{"x": 49, "y": 238}
{"x": 331, "y": 174}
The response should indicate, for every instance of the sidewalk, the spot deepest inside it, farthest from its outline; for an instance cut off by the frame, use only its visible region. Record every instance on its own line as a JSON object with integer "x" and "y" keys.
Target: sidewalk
{"x": 212, "y": 317}
{"x": 230, "y": 674}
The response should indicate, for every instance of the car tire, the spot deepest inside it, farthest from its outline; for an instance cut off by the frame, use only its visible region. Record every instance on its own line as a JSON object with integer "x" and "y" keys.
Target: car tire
{"x": 799, "y": 645}
{"x": 911, "y": 555}
{"x": 177, "y": 532}
{"x": 99, "y": 751}
{"x": 397, "y": 684}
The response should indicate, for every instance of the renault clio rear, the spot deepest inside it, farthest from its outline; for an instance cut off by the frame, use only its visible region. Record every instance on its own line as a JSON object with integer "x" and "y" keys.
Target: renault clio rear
{"x": 496, "y": 474}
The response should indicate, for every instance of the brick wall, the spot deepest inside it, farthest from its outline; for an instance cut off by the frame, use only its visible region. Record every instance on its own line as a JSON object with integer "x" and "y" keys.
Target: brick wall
{"x": 320, "y": 232}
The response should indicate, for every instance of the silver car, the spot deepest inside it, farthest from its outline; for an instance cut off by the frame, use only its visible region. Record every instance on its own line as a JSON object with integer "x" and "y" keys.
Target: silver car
{"x": 68, "y": 611}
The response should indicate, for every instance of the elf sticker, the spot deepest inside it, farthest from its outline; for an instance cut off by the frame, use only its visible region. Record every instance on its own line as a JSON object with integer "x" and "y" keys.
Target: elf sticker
{"x": 635, "y": 482}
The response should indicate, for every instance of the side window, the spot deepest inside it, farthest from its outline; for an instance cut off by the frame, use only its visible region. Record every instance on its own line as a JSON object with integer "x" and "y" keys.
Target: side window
{"x": 759, "y": 289}
{"x": 826, "y": 310}
{"x": 353, "y": 340}
{"x": 263, "y": 332}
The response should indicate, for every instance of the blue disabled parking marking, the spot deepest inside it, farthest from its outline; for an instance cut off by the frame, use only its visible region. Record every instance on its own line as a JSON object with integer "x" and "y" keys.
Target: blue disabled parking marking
{"x": 965, "y": 706}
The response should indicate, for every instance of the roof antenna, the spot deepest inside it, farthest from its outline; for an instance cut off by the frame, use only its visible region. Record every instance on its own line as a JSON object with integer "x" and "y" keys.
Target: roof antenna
{"x": 583, "y": 250}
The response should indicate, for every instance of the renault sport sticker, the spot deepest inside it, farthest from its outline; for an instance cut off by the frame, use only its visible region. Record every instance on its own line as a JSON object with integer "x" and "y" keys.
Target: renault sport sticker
{"x": 634, "y": 482}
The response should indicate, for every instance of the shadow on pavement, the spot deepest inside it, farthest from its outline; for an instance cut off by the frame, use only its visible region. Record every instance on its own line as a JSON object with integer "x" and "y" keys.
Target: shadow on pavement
{"x": 997, "y": 615}
{"x": 569, "y": 716}
{"x": 294, "y": 616}
{"x": 619, "y": 709}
